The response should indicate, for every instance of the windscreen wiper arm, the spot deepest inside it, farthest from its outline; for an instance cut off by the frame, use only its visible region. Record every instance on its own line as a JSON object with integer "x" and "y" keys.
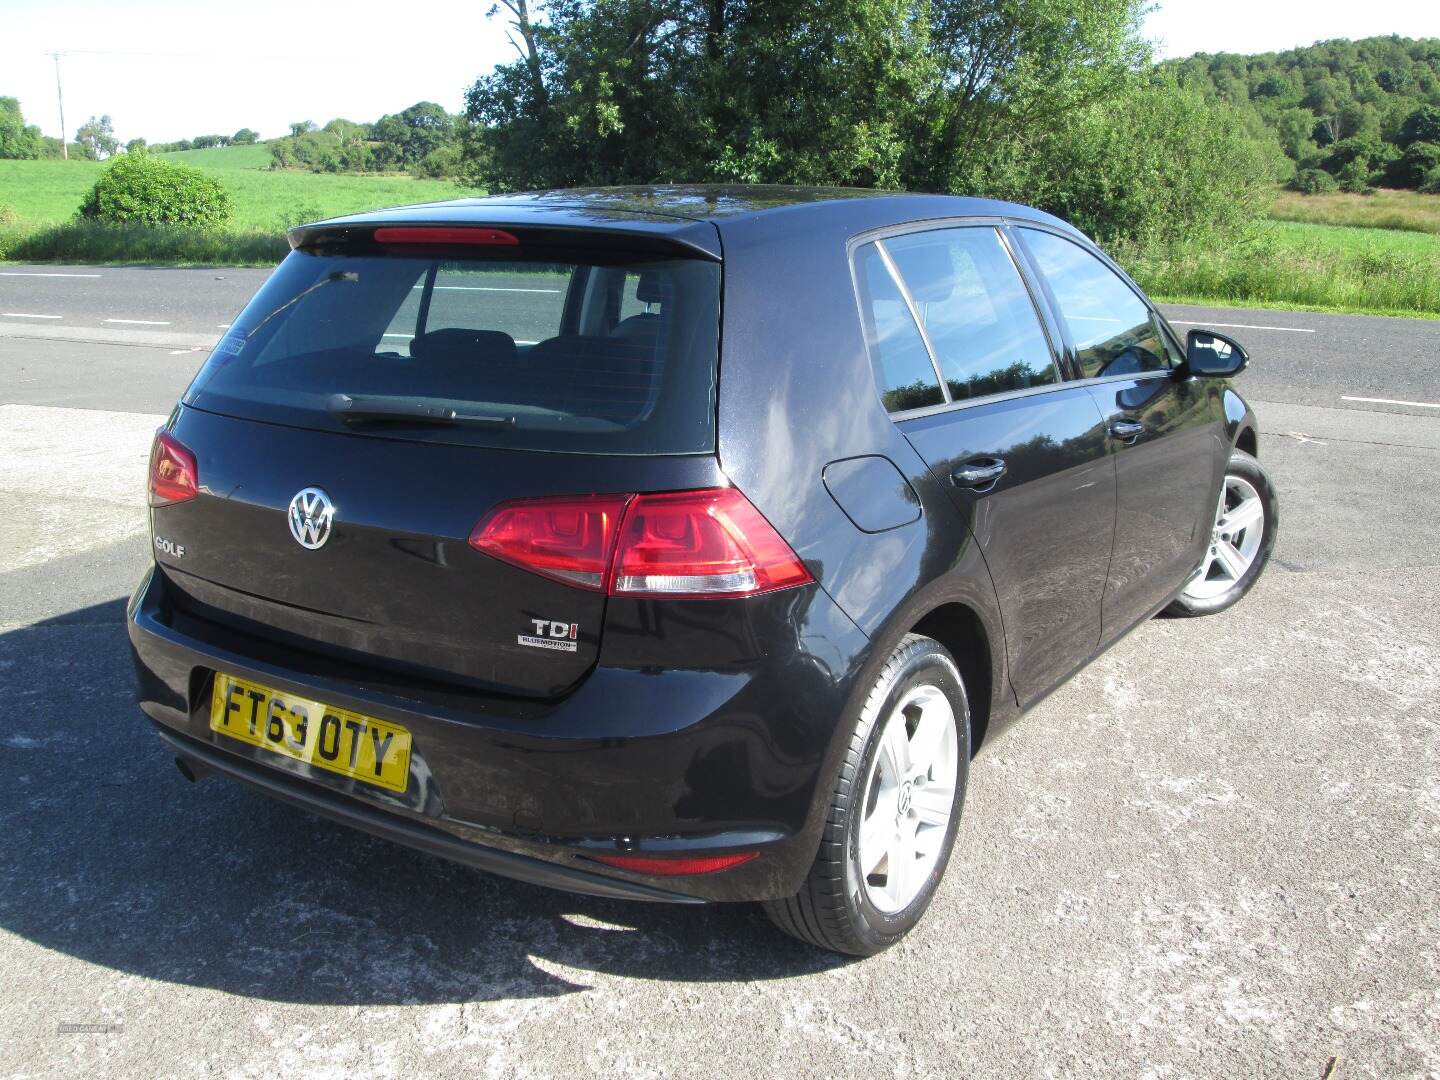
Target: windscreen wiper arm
{"x": 360, "y": 409}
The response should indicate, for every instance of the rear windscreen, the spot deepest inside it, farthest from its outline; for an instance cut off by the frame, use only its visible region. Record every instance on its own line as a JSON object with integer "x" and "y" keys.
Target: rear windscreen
{"x": 585, "y": 355}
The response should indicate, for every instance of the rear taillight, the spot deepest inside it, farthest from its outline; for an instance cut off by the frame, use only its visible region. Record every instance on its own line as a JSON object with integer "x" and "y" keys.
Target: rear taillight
{"x": 570, "y": 539}
{"x": 701, "y": 543}
{"x": 675, "y": 867}
{"x": 173, "y": 476}
{"x": 684, "y": 543}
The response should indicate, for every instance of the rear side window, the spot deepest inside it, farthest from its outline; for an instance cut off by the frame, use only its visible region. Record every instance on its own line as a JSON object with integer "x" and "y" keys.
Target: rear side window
{"x": 902, "y": 362}
{"x": 610, "y": 355}
{"x": 1113, "y": 330}
{"x": 975, "y": 309}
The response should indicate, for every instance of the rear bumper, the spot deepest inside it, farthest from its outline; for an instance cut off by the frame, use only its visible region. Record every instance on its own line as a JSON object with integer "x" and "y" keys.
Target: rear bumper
{"x": 412, "y": 834}
{"x": 638, "y": 758}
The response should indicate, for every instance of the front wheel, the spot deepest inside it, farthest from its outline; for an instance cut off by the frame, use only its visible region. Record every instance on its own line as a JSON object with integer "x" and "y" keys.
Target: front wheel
{"x": 893, "y": 811}
{"x": 1246, "y": 522}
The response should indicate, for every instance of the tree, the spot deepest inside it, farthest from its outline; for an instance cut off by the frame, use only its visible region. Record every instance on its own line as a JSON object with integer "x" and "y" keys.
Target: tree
{"x": 301, "y": 127}
{"x": 1422, "y": 125}
{"x": 1294, "y": 129}
{"x": 97, "y": 138}
{"x": 1203, "y": 175}
{"x": 136, "y": 146}
{"x": 880, "y": 92}
{"x": 244, "y": 137}
{"x": 414, "y": 133}
{"x": 1411, "y": 168}
{"x": 17, "y": 138}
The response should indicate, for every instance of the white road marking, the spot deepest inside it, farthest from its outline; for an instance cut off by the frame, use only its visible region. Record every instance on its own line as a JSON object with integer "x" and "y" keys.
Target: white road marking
{"x": 139, "y": 322}
{"x": 1392, "y": 401}
{"x": 223, "y": 325}
{"x": 17, "y": 273}
{"x": 483, "y": 288}
{"x": 1244, "y": 326}
{"x": 22, "y": 315}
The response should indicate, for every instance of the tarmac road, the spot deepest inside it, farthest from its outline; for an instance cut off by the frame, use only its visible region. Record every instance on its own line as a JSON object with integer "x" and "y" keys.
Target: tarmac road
{"x": 1215, "y": 853}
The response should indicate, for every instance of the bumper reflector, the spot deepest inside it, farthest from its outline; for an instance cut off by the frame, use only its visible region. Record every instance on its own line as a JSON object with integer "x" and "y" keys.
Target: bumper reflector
{"x": 675, "y": 867}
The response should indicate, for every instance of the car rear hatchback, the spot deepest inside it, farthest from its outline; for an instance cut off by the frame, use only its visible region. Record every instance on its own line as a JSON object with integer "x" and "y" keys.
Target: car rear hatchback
{"x": 443, "y": 550}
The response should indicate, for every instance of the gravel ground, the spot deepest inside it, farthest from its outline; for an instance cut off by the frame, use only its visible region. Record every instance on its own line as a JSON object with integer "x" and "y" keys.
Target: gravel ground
{"x": 1215, "y": 853}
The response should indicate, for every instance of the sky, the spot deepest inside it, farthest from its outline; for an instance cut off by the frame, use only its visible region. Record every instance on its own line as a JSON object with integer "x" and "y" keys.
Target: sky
{"x": 166, "y": 70}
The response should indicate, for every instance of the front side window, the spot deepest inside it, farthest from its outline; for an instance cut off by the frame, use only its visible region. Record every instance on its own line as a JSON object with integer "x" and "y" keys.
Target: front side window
{"x": 976, "y": 310}
{"x": 1113, "y": 330}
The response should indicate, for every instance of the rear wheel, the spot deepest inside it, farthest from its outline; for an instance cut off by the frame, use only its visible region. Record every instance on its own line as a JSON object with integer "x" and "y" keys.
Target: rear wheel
{"x": 893, "y": 811}
{"x": 1246, "y": 522}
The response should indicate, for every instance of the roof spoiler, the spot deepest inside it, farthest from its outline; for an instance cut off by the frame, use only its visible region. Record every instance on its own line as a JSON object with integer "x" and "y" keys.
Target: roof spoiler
{"x": 501, "y": 239}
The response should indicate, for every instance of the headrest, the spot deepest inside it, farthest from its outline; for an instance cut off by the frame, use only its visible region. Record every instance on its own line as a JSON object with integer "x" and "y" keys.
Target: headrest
{"x": 928, "y": 271}
{"x": 650, "y": 289}
{"x": 462, "y": 343}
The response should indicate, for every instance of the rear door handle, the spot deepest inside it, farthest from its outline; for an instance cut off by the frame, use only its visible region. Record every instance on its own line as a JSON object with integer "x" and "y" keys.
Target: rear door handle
{"x": 1127, "y": 429}
{"x": 978, "y": 473}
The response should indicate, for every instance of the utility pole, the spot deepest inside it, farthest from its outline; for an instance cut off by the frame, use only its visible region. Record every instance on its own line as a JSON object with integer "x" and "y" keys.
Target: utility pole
{"x": 60, "y": 95}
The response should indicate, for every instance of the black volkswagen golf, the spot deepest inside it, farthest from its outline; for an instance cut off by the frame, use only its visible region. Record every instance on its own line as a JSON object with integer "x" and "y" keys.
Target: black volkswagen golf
{"x": 678, "y": 544}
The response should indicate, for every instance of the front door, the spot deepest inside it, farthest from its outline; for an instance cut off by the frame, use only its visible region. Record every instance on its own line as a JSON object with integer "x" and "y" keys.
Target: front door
{"x": 1167, "y": 433}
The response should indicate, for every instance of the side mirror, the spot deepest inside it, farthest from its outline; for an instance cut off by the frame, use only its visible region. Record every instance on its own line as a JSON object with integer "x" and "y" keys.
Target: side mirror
{"x": 1214, "y": 355}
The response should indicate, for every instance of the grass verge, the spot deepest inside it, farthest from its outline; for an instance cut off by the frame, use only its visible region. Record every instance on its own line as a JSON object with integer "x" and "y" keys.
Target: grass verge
{"x": 96, "y": 242}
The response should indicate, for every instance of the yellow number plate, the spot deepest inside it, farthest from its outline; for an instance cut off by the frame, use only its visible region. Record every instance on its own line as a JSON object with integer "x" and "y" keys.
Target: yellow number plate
{"x": 321, "y": 735}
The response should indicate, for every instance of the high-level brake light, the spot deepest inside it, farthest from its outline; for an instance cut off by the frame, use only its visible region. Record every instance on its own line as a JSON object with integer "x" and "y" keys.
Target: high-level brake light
{"x": 706, "y": 543}
{"x": 435, "y": 234}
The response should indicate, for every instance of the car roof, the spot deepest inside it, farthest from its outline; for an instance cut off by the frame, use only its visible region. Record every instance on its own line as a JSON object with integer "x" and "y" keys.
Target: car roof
{"x": 691, "y": 214}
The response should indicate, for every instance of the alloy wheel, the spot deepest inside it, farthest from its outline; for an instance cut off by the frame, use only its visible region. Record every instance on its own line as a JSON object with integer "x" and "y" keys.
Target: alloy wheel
{"x": 1234, "y": 540}
{"x": 909, "y": 798}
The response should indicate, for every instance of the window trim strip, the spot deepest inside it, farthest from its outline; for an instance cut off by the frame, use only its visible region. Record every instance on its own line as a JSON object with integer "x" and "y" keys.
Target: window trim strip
{"x": 894, "y": 272}
{"x": 1029, "y": 391}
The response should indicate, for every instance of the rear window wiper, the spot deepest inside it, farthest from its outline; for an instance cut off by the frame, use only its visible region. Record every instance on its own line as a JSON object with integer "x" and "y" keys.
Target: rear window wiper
{"x": 361, "y": 409}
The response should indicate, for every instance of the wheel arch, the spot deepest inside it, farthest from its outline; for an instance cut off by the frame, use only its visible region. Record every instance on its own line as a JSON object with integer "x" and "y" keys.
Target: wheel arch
{"x": 959, "y": 628}
{"x": 1240, "y": 423}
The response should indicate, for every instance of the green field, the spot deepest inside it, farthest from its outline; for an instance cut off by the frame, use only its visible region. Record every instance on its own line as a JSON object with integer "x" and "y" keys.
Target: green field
{"x": 223, "y": 157}
{"x": 43, "y": 198}
{"x": 1297, "y": 265}
{"x": 50, "y": 192}
{"x": 1404, "y": 210}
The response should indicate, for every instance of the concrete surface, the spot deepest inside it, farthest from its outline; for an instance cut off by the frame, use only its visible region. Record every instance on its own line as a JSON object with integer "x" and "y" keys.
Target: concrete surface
{"x": 1215, "y": 853}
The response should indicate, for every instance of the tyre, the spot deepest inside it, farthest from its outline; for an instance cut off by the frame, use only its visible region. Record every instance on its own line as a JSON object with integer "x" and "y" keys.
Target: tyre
{"x": 1246, "y": 523}
{"x": 893, "y": 811}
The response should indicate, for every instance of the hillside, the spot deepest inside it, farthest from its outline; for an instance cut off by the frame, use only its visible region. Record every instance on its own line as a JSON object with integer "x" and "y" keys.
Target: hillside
{"x": 253, "y": 156}
{"x": 1366, "y": 112}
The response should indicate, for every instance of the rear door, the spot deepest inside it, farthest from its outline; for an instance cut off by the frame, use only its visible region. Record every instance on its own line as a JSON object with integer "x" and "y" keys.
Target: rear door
{"x": 548, "y": 391}
{"x": 1166, "y": 433}
{"x": 968, "y": 370}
